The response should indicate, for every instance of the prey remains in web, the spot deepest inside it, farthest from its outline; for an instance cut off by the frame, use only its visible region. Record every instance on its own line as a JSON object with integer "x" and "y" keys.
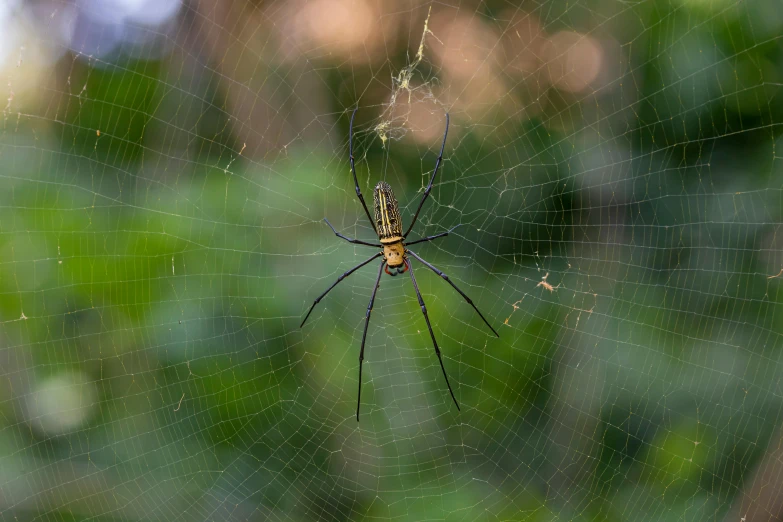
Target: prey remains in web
{"x": 394, "y": 250}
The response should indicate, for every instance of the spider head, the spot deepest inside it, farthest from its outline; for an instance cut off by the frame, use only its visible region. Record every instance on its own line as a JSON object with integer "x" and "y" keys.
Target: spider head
{"x": 395, "y": 258}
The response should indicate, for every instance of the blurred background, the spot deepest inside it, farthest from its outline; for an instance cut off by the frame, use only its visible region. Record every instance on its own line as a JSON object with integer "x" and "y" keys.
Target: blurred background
{"x": 165, "y": 168}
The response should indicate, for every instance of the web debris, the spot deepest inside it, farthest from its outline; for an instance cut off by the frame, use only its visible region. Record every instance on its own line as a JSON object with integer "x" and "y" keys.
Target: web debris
{"x": 546, "y": 285}
{"x": 402, "y": 82}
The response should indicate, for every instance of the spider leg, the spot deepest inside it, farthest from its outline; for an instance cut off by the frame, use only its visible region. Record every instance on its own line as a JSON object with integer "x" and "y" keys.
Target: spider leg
{"x": 364, "y": 335}
{"x": 432, "y": 178}
{"x": 353, "y": 169}
{"x": 449, "y": 281}
{"x": 430, "y": 238}
{"x": 432, "y": 334}
{"x": 349, "y": 272}
{"x": 355, "y": 241}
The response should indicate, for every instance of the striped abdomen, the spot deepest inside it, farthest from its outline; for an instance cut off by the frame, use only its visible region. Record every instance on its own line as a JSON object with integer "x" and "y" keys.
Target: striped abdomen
{"x": 387, "y": 214}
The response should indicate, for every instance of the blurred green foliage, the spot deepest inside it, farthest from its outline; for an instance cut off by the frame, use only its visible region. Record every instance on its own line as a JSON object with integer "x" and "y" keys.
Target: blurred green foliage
{"x": 640, "y": 389}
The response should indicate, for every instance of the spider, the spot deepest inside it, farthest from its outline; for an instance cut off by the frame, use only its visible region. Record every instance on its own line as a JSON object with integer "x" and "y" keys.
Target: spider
{"x": 388, "y": 226}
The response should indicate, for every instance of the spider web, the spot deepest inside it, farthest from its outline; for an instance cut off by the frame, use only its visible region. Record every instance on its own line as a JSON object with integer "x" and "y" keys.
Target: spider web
{"x": 612, "y": 167}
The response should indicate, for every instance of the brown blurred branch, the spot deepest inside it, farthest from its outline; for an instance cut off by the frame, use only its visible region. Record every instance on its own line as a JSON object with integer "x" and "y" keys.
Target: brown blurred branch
{"x": 267, "y": 112}
{"x": 762, "y": 499}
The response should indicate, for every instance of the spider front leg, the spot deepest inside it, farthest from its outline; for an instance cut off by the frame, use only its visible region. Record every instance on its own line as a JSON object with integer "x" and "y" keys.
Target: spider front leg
{"x": 364, "y": 335}
{"x": 353, "y": 169}
{"x": 436, "y": 236}
{"x": 434, "y": 173}
{"x": 432, "y": 334}
{"x": 350, "y": 240}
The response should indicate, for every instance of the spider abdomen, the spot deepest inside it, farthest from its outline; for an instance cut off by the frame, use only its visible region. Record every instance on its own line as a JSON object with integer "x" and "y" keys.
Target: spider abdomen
{"x": 387, "y": 214}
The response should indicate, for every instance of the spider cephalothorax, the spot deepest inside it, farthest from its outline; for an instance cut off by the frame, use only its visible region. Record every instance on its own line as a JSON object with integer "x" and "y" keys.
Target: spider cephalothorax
{"x": 388, "y": 226}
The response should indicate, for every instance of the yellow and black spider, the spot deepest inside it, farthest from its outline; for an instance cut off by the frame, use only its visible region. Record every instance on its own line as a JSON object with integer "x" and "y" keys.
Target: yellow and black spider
{"x": 388, "y": 226}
